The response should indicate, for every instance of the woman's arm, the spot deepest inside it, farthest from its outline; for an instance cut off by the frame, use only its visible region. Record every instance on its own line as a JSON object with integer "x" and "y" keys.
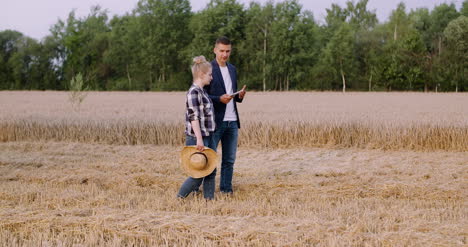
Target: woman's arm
{"x": 197, "y": 131}
{"x": 193, "y": 109}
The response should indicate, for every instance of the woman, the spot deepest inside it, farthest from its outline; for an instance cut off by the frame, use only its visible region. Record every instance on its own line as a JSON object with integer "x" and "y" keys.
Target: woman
{"x": 200, "y": 125}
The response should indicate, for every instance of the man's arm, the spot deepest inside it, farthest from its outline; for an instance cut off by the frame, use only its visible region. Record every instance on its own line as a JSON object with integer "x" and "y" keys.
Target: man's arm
{"x": 238, "y": 97}
{"x": 214, "y": 98}
{"x": 225, "y": 98}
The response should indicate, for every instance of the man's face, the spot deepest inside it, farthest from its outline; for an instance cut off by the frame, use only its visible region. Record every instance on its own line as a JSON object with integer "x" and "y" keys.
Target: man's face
{"x": 222, "y": 52}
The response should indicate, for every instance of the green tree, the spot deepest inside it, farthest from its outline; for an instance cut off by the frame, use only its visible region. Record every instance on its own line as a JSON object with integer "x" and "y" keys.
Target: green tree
{"x": 456, "y": 34}
{"x": 120, "y": 55}
{"x": 82, "y": 46}
{"x": 359, "y": 17}
{"x": 335, "y": 17}
{"x": 23, "y": 63}
{"x": 363, "y": 22}
{"x": 338, "y": 56}
{"x": 441, "y": 15}
{"x": 276, "y": 46}
{"x": 292, "y": 44}
{"x": 464, "y": 9}
{"x": 421, "y": 21}
{"x": 163, "y": 34}
{"x": 413, "y": 56}
{"x": 392, "y": 67}
{"x": 9, "y": 45}
{"x": 256, "y": 50}
{"x": 219, "y": 18}
{"x": 306, "y": 51}
{"x": 399, "y": 22}
{"x": 369, "y": 49}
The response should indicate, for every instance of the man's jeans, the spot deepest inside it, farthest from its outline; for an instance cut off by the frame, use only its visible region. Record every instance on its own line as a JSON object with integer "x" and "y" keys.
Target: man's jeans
{"x": 227, "y": 133}
{"x": 192, "y": 184}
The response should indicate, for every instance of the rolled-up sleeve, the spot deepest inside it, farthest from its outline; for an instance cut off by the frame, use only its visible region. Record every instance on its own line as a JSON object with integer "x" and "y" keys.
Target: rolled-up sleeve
{"x": 193, "y": 105}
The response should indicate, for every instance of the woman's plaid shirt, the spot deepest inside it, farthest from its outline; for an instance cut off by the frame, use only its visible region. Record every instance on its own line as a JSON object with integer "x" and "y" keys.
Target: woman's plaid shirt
{"x": 199, "y": 107}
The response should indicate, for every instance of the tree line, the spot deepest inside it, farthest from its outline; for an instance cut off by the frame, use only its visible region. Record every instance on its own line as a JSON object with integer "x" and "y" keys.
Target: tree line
{"x": 276, "y": 46}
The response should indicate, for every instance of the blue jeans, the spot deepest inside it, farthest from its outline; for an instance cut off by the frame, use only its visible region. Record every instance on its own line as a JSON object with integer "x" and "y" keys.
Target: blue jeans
{"x": 192, "y": 184}
{"x": 227, "y": 133}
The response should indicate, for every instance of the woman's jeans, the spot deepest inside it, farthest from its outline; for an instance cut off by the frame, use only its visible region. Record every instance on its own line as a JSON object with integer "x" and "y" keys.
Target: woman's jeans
{"x": 192, "y": 184}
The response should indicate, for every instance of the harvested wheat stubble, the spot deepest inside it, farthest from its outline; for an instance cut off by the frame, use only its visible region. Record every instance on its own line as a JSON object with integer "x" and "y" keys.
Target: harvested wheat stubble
{"x": 62, "y": 193}
{"x": 362, "y": 187}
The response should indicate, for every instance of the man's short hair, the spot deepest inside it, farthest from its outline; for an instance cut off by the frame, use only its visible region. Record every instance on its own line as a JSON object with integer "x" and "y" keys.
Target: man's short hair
{"x": 223, "y": 40}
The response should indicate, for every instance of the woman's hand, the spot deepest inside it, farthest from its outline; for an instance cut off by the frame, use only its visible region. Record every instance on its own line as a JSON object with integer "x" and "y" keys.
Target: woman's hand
{"x": 200, "y": 145}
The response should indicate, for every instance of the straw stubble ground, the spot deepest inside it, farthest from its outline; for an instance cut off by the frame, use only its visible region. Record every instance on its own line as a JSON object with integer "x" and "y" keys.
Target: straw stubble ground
{"x": 74, "y": 193}
{"x": 297, "y": 183}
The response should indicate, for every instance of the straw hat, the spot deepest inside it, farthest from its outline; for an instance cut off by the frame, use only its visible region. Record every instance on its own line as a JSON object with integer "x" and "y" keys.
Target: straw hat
{"x": 198, "y": 164}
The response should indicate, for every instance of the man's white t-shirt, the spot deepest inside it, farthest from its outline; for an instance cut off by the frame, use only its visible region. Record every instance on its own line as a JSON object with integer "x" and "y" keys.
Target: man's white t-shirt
{"x": 230, "y": 114}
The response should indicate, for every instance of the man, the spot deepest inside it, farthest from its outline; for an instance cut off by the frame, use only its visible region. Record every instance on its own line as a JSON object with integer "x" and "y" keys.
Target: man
{"x": 220, "y": 90}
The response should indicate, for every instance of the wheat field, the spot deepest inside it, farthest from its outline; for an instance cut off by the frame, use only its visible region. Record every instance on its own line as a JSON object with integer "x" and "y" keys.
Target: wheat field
{"x": 392, "y": 121}
{"x": 313, "y": 169}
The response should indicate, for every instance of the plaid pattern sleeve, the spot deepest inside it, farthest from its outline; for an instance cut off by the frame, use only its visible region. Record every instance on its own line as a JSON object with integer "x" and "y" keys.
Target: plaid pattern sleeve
{"x": 199, "y": 107}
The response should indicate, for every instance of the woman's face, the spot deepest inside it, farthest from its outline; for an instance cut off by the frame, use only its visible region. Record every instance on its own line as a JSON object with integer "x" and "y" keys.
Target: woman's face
{"x": 206, "y": 77}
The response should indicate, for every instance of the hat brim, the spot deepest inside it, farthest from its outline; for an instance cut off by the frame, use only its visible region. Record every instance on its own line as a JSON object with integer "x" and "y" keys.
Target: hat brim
{"x": 211, "y": 156}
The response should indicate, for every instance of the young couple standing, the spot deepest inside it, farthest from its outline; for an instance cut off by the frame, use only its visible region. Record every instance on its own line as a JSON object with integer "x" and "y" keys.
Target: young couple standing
{"x": 212, "y": 117}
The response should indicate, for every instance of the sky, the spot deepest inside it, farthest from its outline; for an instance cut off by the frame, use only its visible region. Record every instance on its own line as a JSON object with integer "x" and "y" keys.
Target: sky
{"x": 34, "y": 18}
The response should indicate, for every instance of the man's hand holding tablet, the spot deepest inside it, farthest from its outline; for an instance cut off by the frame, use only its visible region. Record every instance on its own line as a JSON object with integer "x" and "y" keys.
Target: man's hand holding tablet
{"x": 238, "y": 92}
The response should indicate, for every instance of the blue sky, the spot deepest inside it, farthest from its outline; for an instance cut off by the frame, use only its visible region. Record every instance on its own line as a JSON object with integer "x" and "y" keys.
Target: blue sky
{"x": 34, "y": 17}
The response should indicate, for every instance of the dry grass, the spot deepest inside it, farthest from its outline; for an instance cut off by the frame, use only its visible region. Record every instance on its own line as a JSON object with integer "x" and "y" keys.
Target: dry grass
{"x": 390, "y": 121}
{"x": 75, "y": 194}
{"x": 313, "y": 169}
